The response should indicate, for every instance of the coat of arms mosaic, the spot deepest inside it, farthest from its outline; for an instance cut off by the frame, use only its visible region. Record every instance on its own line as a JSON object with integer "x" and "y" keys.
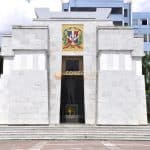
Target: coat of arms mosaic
{"x": 72, "y": 37}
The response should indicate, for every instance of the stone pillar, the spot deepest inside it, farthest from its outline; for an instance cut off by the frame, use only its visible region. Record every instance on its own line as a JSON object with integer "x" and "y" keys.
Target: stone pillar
{"x": 90, "y": 89}
{"x": 55, "y": 88}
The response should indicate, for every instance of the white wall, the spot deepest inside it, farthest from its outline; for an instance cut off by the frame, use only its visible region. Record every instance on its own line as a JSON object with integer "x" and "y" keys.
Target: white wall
{"x": 31, "y": 37}
{"x": 25, "y": 60}
{"x": 128, "y": 62}
{"x": 115, "y": 38}
{"x": 7, "y": 66}
{"x": 138, "y": 67}
{"x": 115, "y": 61}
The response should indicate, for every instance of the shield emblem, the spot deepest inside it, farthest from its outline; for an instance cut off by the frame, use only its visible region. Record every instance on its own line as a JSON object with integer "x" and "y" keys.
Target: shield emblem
{"x": 72, "y": 38}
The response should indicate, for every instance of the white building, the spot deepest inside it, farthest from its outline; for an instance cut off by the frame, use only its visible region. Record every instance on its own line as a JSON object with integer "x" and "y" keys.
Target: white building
{"x": 72, "y": 68}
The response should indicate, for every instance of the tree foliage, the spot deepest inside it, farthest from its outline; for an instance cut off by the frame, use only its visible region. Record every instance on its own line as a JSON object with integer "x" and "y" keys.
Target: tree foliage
{"x": 146, "y": 72}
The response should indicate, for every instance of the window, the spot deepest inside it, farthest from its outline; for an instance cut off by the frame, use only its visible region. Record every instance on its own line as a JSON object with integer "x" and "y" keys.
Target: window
{"x": 117, "y": 23}
{"x": 125, "y": 13}
{"x": 83, "y": 9}
{"x": 65, "y": 9}
{"x": 125, "y": 24}
{"x": 72, "y": 65}
{"x": 144, "y": 21}
{"x": 116, "y": 10}
{"x": 145, "y": 37}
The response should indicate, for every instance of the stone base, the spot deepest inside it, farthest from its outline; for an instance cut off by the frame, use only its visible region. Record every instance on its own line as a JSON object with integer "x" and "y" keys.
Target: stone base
{"x": 121, "y": 99}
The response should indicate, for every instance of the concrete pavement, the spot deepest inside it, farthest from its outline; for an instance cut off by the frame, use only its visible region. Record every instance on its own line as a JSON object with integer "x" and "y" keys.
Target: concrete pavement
{"x": 73, "y": 145}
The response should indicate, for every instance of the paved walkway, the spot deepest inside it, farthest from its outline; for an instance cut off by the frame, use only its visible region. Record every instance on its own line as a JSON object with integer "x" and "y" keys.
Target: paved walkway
{"x": 73, "y": 145}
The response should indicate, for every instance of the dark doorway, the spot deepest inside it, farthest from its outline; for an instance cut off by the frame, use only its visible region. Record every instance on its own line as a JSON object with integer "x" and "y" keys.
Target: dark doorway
{"x": 72, "y": 91}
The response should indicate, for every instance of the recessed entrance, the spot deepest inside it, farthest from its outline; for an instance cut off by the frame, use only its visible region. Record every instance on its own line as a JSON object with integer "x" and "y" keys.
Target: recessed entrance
{"x": 72, "y": 90}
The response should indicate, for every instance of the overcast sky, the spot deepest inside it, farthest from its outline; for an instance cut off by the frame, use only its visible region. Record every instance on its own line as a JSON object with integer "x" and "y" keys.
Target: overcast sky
{"x": 21, "y": 12}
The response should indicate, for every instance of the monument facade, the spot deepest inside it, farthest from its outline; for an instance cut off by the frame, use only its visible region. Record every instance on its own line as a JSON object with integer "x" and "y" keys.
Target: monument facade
{"x": 72, "y": 68}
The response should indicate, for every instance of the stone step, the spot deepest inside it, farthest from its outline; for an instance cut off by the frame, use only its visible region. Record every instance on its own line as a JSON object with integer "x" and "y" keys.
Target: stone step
{"x": 76, "y": 132}
{"x": 79, "y": 132}
{"x": 71, "y": 137}
{"x": 75, "y": 127}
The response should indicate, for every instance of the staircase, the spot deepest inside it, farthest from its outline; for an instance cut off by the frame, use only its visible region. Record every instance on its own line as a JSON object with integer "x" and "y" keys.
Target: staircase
{"x": 76, "y": 132}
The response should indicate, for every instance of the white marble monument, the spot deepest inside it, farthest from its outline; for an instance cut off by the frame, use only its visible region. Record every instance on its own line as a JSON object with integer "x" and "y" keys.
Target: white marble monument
{"x": 102, "y": 62}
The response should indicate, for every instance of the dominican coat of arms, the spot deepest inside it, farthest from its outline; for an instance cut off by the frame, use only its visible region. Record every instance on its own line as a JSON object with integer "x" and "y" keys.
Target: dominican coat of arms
{"x": 72, "y": 37}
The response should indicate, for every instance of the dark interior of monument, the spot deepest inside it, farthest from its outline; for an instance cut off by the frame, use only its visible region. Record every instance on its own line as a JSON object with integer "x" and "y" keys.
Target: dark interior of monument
{"x": 72, "y": 91}
{"x": 72, "y": 99}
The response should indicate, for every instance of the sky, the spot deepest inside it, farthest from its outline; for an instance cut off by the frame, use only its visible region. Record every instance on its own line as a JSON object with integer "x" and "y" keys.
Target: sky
{"x": 13, "y": 12}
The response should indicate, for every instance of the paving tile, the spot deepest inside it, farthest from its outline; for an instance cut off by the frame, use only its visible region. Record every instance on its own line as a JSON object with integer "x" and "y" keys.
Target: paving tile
{"x": 73, "y": 145}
